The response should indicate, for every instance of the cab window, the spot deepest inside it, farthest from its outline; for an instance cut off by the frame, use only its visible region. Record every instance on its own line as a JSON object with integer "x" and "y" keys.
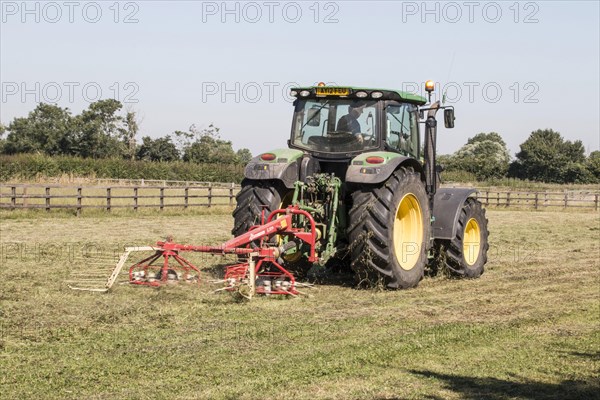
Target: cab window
{"x": 402, "y": 132}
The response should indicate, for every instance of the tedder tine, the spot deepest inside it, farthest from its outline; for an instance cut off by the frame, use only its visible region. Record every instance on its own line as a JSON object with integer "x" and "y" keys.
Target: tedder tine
{"x": 118, "y": 267}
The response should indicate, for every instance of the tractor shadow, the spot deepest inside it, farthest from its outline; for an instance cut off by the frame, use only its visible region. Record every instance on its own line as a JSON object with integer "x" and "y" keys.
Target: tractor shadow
{"x": 472, "y": 388}
{"x": 333, "y": 274}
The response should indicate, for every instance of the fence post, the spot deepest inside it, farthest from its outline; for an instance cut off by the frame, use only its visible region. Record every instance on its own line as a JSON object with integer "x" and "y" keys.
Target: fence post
{"x": 162, "y": 198}
{"x": 231, "y": 193}
{"x": 186, "y": 197}
{"x": 566, "y": 198}
{"x": 209, "y": 194}
{"x": 48, "y": 199}
{"x": 596, "y": 202}
{"x": 498, "y": 199}
{"x": 536, "y": 200}
{"x": 78, "y": 201}
{"x": 487, "y": 198}
{"x": 135, "y": 198}
{"x": 507, "y": 199}
{"x": 108, "y": 198}
{"x": 13, "y": 197}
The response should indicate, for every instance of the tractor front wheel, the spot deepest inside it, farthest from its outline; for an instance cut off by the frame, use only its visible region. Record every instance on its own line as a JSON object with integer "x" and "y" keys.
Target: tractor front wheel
{"x": 389, "y": 231}
{"x": 466, "y": 254}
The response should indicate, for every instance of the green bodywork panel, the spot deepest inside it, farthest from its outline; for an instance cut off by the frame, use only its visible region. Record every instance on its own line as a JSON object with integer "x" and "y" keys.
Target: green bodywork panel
{"x": 289, "y": 155}
{"x": 404, "y": 96}
{"x": 386, "y": 155}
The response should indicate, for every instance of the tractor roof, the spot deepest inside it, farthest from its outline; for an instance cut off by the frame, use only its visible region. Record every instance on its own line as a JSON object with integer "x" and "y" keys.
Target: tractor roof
{"x": 358, "y": 92}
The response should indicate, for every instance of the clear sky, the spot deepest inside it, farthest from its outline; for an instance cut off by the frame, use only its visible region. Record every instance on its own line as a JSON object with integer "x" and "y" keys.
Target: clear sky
{"x": 510, "y": 67}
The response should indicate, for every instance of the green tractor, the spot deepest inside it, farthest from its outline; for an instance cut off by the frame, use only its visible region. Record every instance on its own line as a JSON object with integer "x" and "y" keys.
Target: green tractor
{"x": 355, "y": 163}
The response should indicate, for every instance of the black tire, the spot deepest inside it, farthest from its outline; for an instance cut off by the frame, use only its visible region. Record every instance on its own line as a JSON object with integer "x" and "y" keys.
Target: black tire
{"x": 466, "y": 261}
{"x": 250, "y": 201}
{"x": 377, "y": 257}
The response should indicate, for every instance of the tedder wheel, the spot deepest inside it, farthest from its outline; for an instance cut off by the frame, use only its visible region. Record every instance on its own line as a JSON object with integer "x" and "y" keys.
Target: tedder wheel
{"x": 466, "y": 255}
{"x": 389, "y": 231}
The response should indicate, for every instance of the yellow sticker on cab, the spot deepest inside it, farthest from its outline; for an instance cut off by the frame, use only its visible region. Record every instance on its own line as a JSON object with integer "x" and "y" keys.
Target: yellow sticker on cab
{"x": 332, "y": 91}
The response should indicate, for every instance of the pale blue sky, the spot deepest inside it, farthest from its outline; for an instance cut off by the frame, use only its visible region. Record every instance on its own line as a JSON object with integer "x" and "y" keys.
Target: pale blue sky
{"x": 177, "y": 52}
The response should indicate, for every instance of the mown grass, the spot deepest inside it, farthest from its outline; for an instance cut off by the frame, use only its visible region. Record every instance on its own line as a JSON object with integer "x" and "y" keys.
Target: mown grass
{"x": 528, "y": 329}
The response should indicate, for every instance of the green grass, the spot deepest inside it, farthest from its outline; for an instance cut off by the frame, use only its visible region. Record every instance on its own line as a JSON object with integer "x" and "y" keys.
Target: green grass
{"x": 529, "y": 328}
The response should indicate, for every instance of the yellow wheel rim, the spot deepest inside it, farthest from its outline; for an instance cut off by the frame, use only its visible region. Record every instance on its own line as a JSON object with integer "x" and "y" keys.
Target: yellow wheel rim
{"x": 471, "y": 241}
{"x": 408, "y": 232}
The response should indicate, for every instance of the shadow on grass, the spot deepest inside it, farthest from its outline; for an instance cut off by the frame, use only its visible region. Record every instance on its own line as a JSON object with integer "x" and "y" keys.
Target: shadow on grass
{"x": 500, "y": 389}
{"x": 595, "y": 356}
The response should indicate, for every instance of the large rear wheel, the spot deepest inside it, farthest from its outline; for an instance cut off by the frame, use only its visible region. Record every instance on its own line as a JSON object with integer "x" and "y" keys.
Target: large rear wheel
{"x": 466, "y": 254}
{"x": 389, "y": 231}
{"x": 255, "y": 197}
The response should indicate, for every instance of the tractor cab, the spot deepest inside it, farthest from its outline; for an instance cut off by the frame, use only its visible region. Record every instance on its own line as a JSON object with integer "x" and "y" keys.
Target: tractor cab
{"x": 339, "y": 123}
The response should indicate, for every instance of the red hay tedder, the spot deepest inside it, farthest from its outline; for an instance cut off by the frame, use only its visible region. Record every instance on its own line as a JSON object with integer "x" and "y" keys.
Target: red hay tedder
{"x": 258, "y": 273}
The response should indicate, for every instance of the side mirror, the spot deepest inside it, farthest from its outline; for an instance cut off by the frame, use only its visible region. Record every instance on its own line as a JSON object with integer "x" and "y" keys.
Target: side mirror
{"x": 314, "y": 116}
{"x": 449, "y": 118}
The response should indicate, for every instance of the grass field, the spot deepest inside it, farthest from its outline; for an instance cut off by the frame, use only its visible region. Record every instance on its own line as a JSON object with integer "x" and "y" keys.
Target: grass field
{"x": 528, "y": 329}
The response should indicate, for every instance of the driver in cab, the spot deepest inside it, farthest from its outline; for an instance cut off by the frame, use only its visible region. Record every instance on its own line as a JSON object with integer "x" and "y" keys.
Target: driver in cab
{"x": 349, "y": 122}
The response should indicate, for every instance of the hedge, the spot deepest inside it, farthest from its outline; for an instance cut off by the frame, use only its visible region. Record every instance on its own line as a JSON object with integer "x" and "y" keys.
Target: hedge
{"x": 34, "y": 166}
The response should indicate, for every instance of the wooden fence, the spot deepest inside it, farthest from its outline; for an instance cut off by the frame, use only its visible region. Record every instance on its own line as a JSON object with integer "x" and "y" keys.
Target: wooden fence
{"x": 540, "y": 200}
{"x": 78, "y": 198}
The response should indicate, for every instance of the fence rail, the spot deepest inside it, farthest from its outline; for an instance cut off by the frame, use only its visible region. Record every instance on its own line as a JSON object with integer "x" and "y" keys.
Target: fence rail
{"x": 540, "y": 200}
{"x": 78, "y": 198}
{"x": 189, "y": 195}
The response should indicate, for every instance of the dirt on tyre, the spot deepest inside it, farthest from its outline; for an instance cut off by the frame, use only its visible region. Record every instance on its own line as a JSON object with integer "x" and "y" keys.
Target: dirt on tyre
{"x": 389, "y": 231}
{"x": 466, "y": 254}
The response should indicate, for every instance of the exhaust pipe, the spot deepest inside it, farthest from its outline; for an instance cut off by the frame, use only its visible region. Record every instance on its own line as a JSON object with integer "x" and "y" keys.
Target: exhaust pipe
{"x": 430, "y": 148}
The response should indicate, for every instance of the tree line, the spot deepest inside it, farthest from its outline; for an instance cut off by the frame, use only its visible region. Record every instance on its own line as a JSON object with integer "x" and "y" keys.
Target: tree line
{"x": 544, "y": 157}
{"x": 104, "y": 130}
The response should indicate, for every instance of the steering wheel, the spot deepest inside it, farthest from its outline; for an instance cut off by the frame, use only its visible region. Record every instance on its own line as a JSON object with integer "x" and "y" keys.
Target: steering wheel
{"x": 367, "y": 137}
{"x": 342, "y": 137}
